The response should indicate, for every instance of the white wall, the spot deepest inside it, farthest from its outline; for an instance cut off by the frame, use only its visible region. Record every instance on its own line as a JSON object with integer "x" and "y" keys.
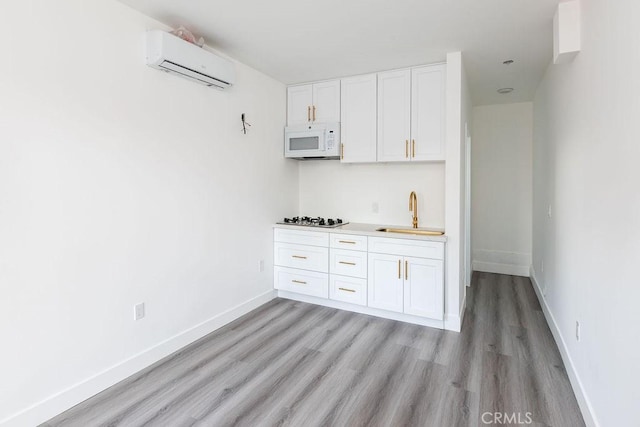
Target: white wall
{"x": 458, "y": 111}
{"x": 586, "y": 154}
{"x": 502, "y": 190}
{"x": 121, "y": 184}
{"x": 329, "y": 188}
{"x": 466, "y": 118}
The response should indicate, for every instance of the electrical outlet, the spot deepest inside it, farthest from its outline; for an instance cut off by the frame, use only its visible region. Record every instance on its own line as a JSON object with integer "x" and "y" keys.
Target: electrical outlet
{"x": 577, "y": 331}
{"x": 261, "y": 266}
{"x": 138, "y": 311}
{"x": 375, "y": 208}
{"x": 549, "y": 211}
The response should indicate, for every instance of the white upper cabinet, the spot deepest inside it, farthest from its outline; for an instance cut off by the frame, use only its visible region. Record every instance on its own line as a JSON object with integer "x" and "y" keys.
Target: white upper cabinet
{"x": 394, "y": 115}
{"x": 427, "y": 112}
{"x": 299, "y": 101}
{"x": 358, "y": 119}
{"x": 411, "y": 106}
{"x": 313, "y": 103}
{"x": 326, "y": 102}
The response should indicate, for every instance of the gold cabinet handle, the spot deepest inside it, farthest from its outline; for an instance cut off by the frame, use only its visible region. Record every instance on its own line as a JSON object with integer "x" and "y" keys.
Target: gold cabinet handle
{"x": 346, "y": 290}
{"x": 314, "y": 113}
{"x": 346, "y": 263}
{"x": 299, "y": 281}
{"x": 399, "y": 267}
{"x": 413, "y": 148}
{"x": 406, "y": 148}
{"x": 341, "y": 151}
{"x": 298, "y": 256}
{"x": 347, "y": 241}
{"x": 406, "y": 270}
{"x": 309, "y": 113}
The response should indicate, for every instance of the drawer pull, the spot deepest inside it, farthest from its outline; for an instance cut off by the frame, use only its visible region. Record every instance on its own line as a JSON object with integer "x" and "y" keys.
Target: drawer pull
{"x": 299, "y": 281}
{"x": 347, "y": 263}
{"x": 298, "y": 256}
{"x": 346, "y": 290}
{"x": 347, "y": 241}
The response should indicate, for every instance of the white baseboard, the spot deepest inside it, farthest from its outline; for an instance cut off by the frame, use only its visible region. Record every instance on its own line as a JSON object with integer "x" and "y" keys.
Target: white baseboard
{"x": 433, "y": 323}
{"x": 65, "y": 399}
{"x": 463, "y": 308}
{"x": 494, "y": 267}
{"x": 453, "y": 322}
{"x": 581, "y": 396}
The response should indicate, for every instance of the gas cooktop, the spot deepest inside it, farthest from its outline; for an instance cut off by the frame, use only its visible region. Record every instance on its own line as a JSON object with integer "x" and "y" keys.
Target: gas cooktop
{"x": 314, "y": 222}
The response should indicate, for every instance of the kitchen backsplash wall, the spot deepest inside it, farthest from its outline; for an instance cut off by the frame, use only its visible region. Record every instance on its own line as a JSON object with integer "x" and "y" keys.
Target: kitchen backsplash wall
{"x": 354, "y": 191}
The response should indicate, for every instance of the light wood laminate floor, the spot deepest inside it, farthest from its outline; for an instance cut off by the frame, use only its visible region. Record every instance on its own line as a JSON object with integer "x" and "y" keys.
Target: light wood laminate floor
{"x": 296, "y": 364}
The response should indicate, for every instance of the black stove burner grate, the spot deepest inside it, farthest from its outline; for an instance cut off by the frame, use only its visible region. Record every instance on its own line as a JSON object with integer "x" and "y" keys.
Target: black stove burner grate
{"x": 314, "y": 221}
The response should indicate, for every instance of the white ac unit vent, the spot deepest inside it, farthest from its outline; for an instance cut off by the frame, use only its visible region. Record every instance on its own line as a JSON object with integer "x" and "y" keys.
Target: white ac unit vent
{"x": 172, "y": 54}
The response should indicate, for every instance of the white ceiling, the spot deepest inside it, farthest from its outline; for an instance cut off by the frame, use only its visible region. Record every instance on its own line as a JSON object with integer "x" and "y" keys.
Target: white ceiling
{"x": 298, "y": 41}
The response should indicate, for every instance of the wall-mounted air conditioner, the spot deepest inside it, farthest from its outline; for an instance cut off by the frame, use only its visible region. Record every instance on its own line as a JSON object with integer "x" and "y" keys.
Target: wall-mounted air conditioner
{"x": 172, "y": 54}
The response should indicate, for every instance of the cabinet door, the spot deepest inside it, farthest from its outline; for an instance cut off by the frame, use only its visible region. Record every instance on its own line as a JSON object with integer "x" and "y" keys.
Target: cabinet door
{"x": 394, "y": 116}
{"x": 424, "y": 287}
{"x": 299, "y": 102}
{"x": 358, "y": 119}
{"x": 427, "y": 113}
{"x": 385, "y": 282}
{"x": 326, "y": 102}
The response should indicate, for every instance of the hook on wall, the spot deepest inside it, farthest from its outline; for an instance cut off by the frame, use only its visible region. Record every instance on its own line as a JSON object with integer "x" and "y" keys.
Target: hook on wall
{"x": 244, "y": 124}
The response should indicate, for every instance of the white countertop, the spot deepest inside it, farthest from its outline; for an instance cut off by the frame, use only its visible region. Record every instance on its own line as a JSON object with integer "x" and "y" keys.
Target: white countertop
{"x": 368, "y": 230}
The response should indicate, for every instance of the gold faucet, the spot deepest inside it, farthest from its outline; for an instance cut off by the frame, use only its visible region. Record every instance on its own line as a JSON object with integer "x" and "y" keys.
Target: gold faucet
{"x": 413, "y": 206}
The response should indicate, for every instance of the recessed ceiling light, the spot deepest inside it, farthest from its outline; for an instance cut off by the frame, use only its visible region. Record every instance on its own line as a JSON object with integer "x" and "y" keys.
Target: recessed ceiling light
{"x": 505, "y": 90}
{"x": 508, "y": 62}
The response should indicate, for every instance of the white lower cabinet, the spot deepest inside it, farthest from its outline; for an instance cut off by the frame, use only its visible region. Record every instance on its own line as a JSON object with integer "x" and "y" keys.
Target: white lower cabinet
{"x": 348, "y": 289}
{"x": 348, "y": 268}
{"x": 400, "y": 276}
{"x": 423, "y": 287}
{"x": 348, "y": 263}
{"x": 405, "y": 284}
{"x": 301, "y": 281}
{"x": 385, "y": 282}
{"x": 301, "y": 256}
{"x": 301, "y": 262}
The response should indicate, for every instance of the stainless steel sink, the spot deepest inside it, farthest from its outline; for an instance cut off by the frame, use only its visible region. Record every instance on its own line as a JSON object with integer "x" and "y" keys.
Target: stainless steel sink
{"x": 411, "y": 231}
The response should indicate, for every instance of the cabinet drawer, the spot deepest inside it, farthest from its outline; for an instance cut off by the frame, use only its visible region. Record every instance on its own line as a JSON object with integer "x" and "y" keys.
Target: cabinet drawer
{"x": 301, "y": 256}
{"x": 348, "y": 241}
{"x": 301, "y": 281}
{"x": 348, "y": 263}
{"x": 348, "y": 289}
{"x": 313, "y": 238}
{"x": 407, "y": 247}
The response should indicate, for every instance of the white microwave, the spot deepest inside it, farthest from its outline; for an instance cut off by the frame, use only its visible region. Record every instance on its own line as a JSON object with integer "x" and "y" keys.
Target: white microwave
{"x": 312, "y": 141}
